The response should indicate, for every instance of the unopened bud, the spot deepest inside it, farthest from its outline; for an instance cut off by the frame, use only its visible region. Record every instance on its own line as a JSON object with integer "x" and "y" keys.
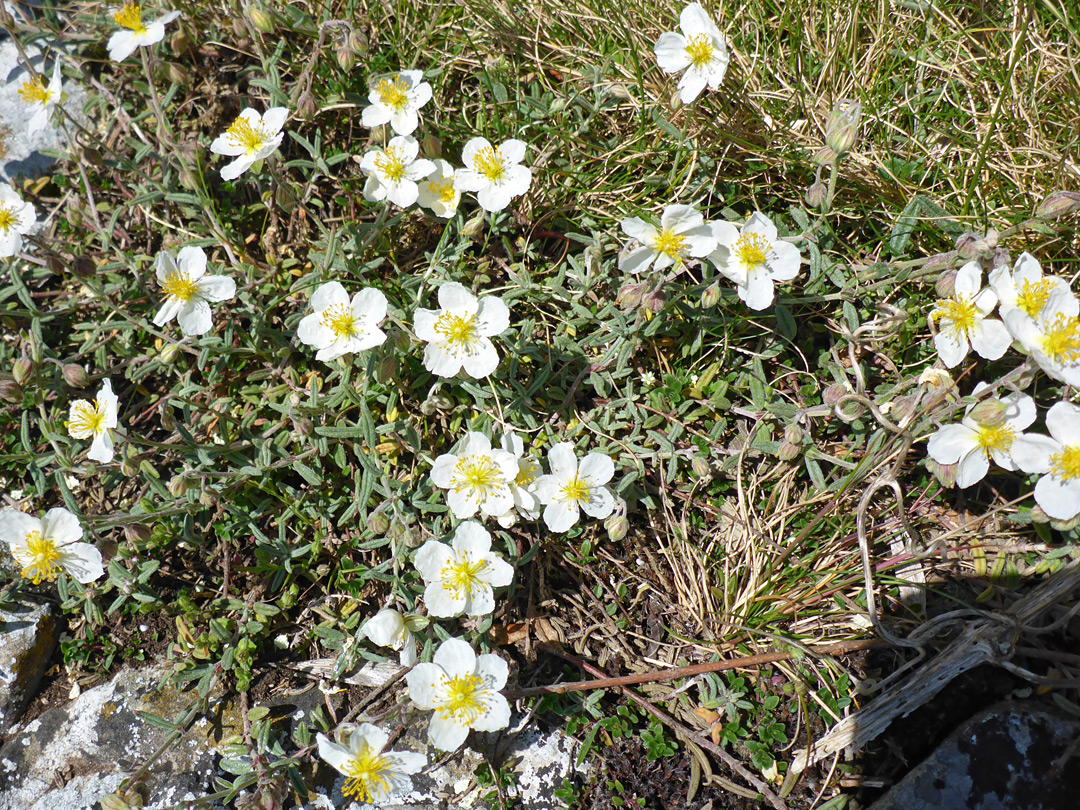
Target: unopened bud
{"x": 92, "y": 156}
{"x": 945, "y": 473}
{"x": 11, "y": 391}
{"x": 346, "y": 59}
{"x": 401, "y": 532}
{"x": 55, "y": 264}
{"x": 168, "y": 421}
{"x": 306, "y": 106}
{"x": 178, "y": 485}
{"x": 207, "y": 497}
{"x": 630, "y": 296}
{"x": 21, "y": 370}
{"x": 1058, "y": 204}
{"x": 358, "y": 44}
{"x": 617, "y": 526}
{"x": 169, "y": 353}
{"x": 815, "y": 195}
{"x": 177, "y": 75}
{"x": 378, "y": 523}
{"x": 431, "y": 146}
{"x": 260, "y": 18}
{"x": 793, "y": 434}
{"x": 788, "y": 451}
{"x": 83, "y": 267}
{"x": 700, "y": 466}
{"x": 1037, "y": 515}
{"x": 180, "y": 43}
{"x": 824, "y": 156}
{"x": 137, "y": 533}
{"x": 302, "y": 426}
{"x": 711, "y": 297}
{"x": 399, "y": 340}
{"x": 1001, "y": 258}
{"x": 945, "y": 285}
{"x": 843, "y": 128}
{"x": 654, "y": 300}
{"x": 385, "y": 368}
{"x": 474, "y": 228}
{"x": 971, "y": 245}
{"x": 989, "y": 412}
{"x": 676, "y": 100}
{"x": 834, "y": 393}
{"x": 1065, "y": 525}
{"x": 74, "y": 375}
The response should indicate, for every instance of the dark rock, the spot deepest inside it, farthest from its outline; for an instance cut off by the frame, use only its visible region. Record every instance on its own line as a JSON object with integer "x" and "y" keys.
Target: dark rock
{"x": 1014, "y": 756}
{"x": 27, "y": 639}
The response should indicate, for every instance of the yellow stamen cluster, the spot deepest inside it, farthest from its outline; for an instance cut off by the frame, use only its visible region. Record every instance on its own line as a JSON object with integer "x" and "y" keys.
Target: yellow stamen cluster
{"x": 478, "y": 475}
{"x": 7, "y": 218}
{"x": 243, "y": 134}
{"x": 463, "y": 698}
{"x": 367, "y": 776}
{"x": 45, "y": 559}
{"x": 87, "y": 419}
{"x": 576, "y": 490}
{"x": 393, "y": 92}
{"x": 752, "y": 250}
{"x": 1066, "y": 464}
{"x": 489, "y": 163}
{"x": 340, "y": 319}
{"x": 130, "y": 17}
{"x": 443, "y": 190}
{"x": 459, "y": 334}
{"x": 1032, "y": 296}
{"x": 671, "y": 244}
{"x": 34, "y": 91}
{"x": 956, "y": 315}
{"x": 177, "y": 285}
{"x": 391, "y": 164}
{"x": 461, "y": 577}
{"x": 1061, "y": 339}
{"x": 527, "y": 473}
{"x": 700, "y": 50}
{"x": 995, "y": 437}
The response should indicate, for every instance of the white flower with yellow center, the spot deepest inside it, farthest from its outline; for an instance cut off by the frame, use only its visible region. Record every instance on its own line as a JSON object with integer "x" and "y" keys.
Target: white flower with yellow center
{"x": 393, "y": 172}
{"x": 1026, "y": 288}
{"x": 371, "y": 775}
{"x": 972, "y": 443}
{"x": 494, "y": 172}
{"x": 683, "y": 234}
{"x": 460, "y": 577}
{"x": 188, "y": 290}
{"x": 16, "y": 219}
{"x": 476, "y": 477}
{"x": 754, "y": 257}
{"x": 463, "y": 689}
{"x": 249, "y": 139}
{"x": 41, "y": 98}
{"x": 388, "y": 628}
{"x": 439, "y": 192}
{"x": 95, "y": 420}
{"x": 458, "y": 335}
{"x": 1058, "y": 456}
{"x": 45, "y": 547}
{"x": 1053, "y": 339}
{"x": 523, "y": 487}
{"x": 700, "y": 50}
{"x": 963, "y": 323}
{"x": 339, "y": 326}
{"x": 568, "y": 489}
{"x": 135, "y": 31}
{"x": 396, "y": 99}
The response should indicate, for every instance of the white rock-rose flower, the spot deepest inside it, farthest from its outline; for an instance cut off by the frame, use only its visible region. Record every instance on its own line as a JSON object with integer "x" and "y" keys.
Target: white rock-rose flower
{"x": 683, "y": 234}
{"x": 477, "y": 478}
{"x": 43, "y": 548}
{"x": 339, "y": 326}
{"x": 459, "y": 333}
{"x": 396, "y": 99}
{"x": 95, "y": 420}
{"x": 250, "y": 138}
{"x": 460, "y": 576}
{"x": 700, "y": 50}
{"x": 188, "y": 290}
{"x": 568, "y": 488}
{"x": 963, "y": 323}
{"x": 135, "y": 31}
{"x": 494, "y": 172}
{"x": 754, "y": 257}
{"x": 371, "y": 775}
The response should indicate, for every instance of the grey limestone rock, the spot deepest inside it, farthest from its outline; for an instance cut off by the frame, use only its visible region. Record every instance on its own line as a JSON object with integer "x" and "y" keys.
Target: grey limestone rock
{"x": 27, "y": 639}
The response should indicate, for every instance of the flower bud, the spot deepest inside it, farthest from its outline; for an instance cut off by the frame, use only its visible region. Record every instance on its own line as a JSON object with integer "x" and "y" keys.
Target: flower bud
{"x": 178, "y": 485}
{"x": 177, "y": 75}
{"x": 711, "y": 297}
{"x": 11, "y": 391}
{"x": 945, "y": 473}
{"x": 137, "y": 533}
{"x": 399, "y": 339}
{"x": 945, "y": 285}
{"x": 55, "y": 264}
{"x": 260, "y": 18}
{"x": 617, "y": 526}
{"x": 834, "y": 393}
{"x": 700, "y": 466}
{"x": 346, "y": 59}
{"x": 842, "y": 130}
{"x": 83, "y": 267}
{"x": 788, "y": 451}
{"x": 474, "y": 228}
{"x": 378, "y": 523}
{"x": 1065, "y": 525}
{"x": 21, "y": 370}
{"x": 1058, "y": 204}
{"x": 386, "y": 368}
{"x": 169, "y": 353}
{"x": 431, "y": 146}
{"x": 793, "y": 434}
{"x": 989, "y": 412}
{"x": 302, "y": 426}
{"x": 1037, "y": 515}
{"x": 676, "y": 100}
{"x": 815, "y": 195}
{"x": 180, "y": 43}
{"x": 92, "y": 156}
{"x": 128, "y": 470}
{"x": 358, "y": 44}
{"x": 1000, "y": 258}
{"x": 824, "y": 156}
{"x": 630, "y": 296}
{"x": 654, "y": 300}
{"x": 971, "y": 246}
{"x": 75, "y": 376}
{"x": 306, "y": 106}
{"x": 207, "y": 497}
